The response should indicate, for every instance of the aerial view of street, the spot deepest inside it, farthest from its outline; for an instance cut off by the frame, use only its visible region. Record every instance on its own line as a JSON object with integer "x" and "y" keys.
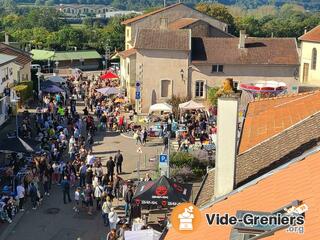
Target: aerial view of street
{"x": 159, "y": 120}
